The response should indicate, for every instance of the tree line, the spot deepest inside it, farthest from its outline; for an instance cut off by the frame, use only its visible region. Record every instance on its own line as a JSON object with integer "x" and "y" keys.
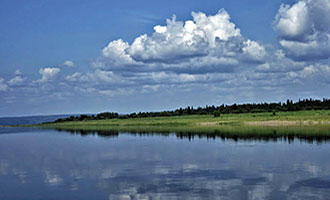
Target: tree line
{"x": 289, "y": 105}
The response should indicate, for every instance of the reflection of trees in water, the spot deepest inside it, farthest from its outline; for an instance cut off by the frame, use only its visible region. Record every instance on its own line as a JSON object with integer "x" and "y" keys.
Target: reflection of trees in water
{"x": 214, "y": 135}
{"x": 110, "y": 134}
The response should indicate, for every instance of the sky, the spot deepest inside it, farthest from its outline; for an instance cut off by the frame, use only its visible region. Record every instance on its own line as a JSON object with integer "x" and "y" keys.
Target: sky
{"x": 70, "y": 56}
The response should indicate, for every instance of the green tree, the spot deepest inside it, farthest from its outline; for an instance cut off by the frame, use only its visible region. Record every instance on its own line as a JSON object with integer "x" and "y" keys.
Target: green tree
{"x": 216, "y": 113}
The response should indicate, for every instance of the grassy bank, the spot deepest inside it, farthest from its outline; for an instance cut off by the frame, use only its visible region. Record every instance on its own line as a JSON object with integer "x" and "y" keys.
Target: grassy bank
{"x": 295, "y": 118}
{"x": 299, "y": 123}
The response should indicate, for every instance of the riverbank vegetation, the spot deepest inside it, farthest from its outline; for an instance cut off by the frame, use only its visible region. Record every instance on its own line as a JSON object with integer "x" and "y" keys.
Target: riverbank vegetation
{"x": 293, "y": 118}
{"x": 216, "y": 111}
{"x": 311, "y": 125}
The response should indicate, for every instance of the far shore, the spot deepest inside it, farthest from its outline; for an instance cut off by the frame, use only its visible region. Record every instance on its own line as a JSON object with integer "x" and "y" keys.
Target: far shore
{"x": 306, "y": 124}
{"x": 268, "y": 119}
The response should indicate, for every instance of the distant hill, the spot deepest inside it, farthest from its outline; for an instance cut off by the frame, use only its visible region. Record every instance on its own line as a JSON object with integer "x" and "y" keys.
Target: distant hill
{"x": 30, "y": 119}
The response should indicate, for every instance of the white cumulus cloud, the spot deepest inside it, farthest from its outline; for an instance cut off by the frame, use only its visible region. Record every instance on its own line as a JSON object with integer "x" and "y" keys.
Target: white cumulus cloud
{"x": 96, "y": 77}
{"x": 74, "y": 77}
{"x": 48, "y": 73}
{"x": 69, "y": 63}
{"x": 18, "y": 72}
{"x": 116, "y": 54}
{"x": 254, "y": 51}
{"x": 17, "y": 80}
{"x": 3, "y": 86}
{"x": 201, "y": 42}
{"x": 317, "y": 71}
{"x": 304, "y": 29}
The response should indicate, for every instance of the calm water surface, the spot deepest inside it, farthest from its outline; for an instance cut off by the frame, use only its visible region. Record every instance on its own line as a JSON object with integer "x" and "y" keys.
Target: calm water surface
{"x": 46, "y": 164}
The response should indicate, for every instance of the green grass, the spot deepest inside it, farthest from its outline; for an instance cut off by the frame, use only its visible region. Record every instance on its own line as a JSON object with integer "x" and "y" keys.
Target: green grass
{"x": 225, "y": 119}
{"x": 228, "y": 125}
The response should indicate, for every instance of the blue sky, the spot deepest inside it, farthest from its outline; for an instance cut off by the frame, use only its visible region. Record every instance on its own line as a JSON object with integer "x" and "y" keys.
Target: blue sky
{"x": 125, "y": 56}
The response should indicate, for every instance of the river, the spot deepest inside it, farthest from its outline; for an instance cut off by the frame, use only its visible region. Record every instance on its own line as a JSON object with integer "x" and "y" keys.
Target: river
{"x": 48, "y": 164}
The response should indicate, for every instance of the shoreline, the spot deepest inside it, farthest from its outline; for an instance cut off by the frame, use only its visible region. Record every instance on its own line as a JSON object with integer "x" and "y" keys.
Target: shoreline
{"x": 305, "y": 124}
{"x": 295, "y": 121}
